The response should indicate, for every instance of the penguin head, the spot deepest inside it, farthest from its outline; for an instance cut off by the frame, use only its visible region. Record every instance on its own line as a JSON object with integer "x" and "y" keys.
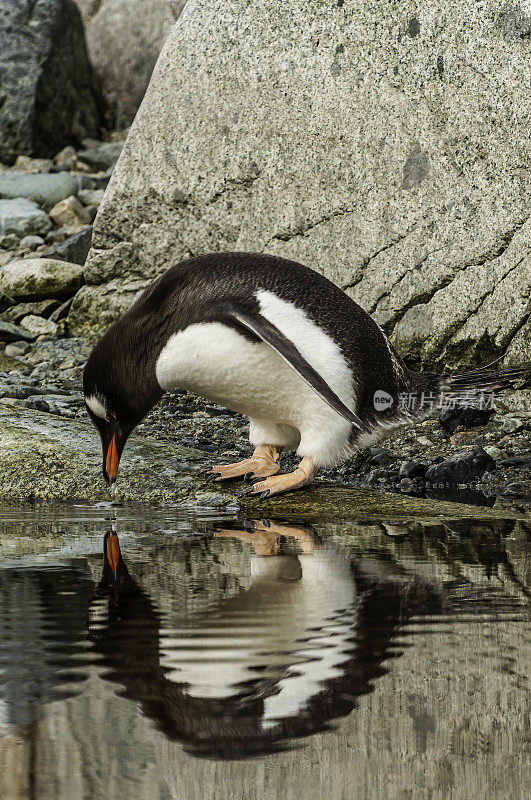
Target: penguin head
{"x": 114, "y": 428}
{"x": 119, "y": 392}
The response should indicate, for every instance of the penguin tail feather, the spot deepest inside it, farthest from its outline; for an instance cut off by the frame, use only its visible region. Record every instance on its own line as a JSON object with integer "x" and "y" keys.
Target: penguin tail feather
{"x": 475, "y": 389}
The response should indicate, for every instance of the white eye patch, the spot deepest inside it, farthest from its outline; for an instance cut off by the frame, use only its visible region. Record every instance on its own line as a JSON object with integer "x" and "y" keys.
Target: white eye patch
{"x": 97, "y": 407}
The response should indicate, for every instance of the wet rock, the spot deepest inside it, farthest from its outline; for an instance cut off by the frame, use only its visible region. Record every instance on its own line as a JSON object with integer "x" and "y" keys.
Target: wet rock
{"x": 49, "y": 95}
{"x": 46, "y": 190}
{"x": 412, "y": 469}
{"x": 512, "y": 424}
{"x": 39, "y": 326}
{"x": 31, "y": 243}
{"x": 22, "y": 217}
{"x": 36, "y": 278}
{"x": 43, "y": 308}
{"x": 11, "y": 333}
{"x": 74, "y": 249}
{"x": 70, "y": 212}
{"x": 461, "y": 468}
{"x": 454, "y": 418}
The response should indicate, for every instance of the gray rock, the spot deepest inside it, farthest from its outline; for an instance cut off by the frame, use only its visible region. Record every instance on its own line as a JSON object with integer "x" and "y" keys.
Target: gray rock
{"x": 39, "y": 326}
{"x": 12, "y": 333}
{"x": 23, "y": 217}
{"x": 103, "y": 157}
{"x": 31, "y": 242}
{"x": 461, "y": 468}
{"x": 73, "y": 249}
{"x": 91, "y": 196}
{"x": 61, "y": 312}
{"x": 70, "y": 212}
{"x": 49, "y": 96}
{"x": 42, "y": 308}
{"x": 125, "y": 71}
{"x": 36, "y": 278}
{"x": 46, "y": 190}
{"x": 16, "y": 349}
{"x": 379, "y": 158}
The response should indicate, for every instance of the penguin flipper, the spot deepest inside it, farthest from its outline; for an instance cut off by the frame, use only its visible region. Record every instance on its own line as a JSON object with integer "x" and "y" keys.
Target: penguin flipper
{"x": 270, "y": 334}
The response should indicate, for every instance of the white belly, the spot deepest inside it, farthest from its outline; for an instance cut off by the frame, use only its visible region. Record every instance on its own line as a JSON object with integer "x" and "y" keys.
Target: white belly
{"x": 217, "y": 362}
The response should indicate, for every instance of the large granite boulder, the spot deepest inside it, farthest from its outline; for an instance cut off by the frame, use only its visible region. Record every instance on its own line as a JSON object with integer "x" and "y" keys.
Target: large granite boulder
{"x": 385, "y": 147}
{"x": 47, "y": 88}
{"x": 125, "y": 71}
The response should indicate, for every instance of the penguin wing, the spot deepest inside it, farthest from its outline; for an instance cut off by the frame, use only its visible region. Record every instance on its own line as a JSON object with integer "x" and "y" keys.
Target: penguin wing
{"x": 271, "y": 335}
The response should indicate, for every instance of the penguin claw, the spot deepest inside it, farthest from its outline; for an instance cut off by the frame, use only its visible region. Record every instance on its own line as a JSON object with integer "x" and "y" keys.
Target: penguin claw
{"x": 248, "y": 476}
{"x": 214, "y": 476}
{"x": 265, "y": 494}
{"x": 245, "y": 491}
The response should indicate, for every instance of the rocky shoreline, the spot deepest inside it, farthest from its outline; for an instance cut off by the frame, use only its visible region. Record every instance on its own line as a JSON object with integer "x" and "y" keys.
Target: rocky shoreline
{"x": 486, "y": 466}
{"x": 46, "y": 212}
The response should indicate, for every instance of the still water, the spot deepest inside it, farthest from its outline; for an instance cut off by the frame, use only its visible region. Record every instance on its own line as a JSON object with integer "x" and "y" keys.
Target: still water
{"x": 147, "y": 653}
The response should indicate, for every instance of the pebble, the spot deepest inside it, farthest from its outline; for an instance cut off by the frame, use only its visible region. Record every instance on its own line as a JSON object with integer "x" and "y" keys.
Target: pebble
{"x": 70, "y": 212}
{"x": 31, "y": 242}
{"x": 91, "y": 197}
{"x": 412, "y": 469}
{"x": 73, "y": 249}
{"x": 462, "y": 467}
{"x": 39, "y": 325}
{"x": 16, "y": 349}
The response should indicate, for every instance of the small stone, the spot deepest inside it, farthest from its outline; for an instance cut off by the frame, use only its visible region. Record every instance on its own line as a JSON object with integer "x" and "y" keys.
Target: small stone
{"x": 423, "y": 440}
{"x": 512, "y": 425}
{"x": 412, "y": 469}
{"x": 39, "y": 325}
{"x": 91, "y": 197}
{"x": 461, "y": 468}
{"x": 61, "y": 312}
{"x": 494, "y": 452}
{"x": 70, "y": 212}
{"x": 65, "y": 157}
{"x": 38, "y": 403}
{"x": 39, "y": 278}
{"x": 73, "y": 249}
{"x": 10, "y": 241}
{"x": 454, "y": 418}
{"x": 103, "y": 157}
{"x": 22, "y": 217}
{"x": 5, "y": 302}
{"x": 33, "y": 166}
{"x": 31, "y": 242}
{"x": 16, "y": 349}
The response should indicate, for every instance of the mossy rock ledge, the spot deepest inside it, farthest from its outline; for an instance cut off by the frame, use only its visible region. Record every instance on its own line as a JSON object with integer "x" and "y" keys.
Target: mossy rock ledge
{"x": 48, "y": 457}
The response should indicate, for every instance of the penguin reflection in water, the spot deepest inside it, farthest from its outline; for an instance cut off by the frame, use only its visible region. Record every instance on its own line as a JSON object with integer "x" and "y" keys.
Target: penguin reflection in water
{"x": 277, "y": 342}
{"x": 299, "y": 633}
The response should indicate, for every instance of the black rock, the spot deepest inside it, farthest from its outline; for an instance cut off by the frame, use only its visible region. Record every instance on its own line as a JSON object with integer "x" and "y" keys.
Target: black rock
{"x": 74, "y": 249}
{"x": 412, "y": 469}
{"x": 454, "y": 418}
{"x": 461, "y": 468}
{"x": 49, "y": 95}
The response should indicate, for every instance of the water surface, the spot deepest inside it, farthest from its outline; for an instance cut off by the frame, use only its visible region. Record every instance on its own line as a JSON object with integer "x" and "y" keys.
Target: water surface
{"x": 147, "y": 653}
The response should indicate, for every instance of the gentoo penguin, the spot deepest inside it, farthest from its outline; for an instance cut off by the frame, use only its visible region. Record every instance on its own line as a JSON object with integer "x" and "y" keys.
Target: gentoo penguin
{"x": 275, "y": 341}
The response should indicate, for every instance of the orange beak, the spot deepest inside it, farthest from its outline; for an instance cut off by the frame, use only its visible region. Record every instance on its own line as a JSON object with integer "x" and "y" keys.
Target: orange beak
{"x": 112, "y": 460}
{"x": 113, "y": 552}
